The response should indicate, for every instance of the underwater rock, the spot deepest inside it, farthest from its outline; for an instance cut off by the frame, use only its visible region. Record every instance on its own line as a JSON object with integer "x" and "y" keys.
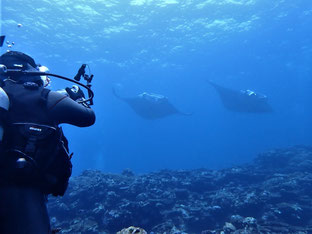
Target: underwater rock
{"x": 132, "y": 230}
{"x": 270, "y": 195}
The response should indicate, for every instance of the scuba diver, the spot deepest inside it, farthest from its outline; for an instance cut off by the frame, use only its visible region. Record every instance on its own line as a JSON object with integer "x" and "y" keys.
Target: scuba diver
{"x": 34, "y": 157}
{"x": 242, "y": 100}
{"x": 150, "y": 106}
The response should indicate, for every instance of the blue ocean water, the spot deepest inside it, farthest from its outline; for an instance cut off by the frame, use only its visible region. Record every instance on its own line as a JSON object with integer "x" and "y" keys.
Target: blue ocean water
{"x": 172, "y": 47}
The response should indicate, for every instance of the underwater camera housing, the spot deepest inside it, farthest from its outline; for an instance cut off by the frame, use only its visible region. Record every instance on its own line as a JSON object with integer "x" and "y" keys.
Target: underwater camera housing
{"x": 82, "y": 73}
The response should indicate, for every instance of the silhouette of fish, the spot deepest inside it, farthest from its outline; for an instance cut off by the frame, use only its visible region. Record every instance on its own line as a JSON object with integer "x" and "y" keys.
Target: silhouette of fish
{"x": 150, "y": 106}
{"x": 242, "y": 100}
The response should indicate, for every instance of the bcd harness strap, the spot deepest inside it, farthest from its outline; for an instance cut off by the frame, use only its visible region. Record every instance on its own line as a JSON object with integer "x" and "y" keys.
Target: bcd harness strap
{"x": 33, "y": 133}
{"x": 35, "y": 129}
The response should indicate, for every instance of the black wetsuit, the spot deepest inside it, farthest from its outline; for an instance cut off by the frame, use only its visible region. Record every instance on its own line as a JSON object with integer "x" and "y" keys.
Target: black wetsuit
{"x": 65, "y": 110}
{"x": 23, "y": 208}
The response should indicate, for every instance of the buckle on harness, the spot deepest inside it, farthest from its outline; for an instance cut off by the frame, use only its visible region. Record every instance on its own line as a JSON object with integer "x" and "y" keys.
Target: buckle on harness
{"x": 31, "y": 145}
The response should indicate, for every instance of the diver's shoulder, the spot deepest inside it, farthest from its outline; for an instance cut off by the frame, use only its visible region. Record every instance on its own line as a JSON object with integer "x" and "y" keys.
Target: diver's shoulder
{"x": 56, "y": 94}
{"x": 54, "y": 97}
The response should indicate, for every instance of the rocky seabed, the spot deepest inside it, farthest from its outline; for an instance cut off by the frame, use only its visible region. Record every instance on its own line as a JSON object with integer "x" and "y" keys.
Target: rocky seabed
{"x": 270, "y": 195}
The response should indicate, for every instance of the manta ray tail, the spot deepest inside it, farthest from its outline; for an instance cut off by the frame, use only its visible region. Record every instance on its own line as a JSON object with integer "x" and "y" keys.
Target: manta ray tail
{"x": 116, "y": 93}
{"x": 213, "y": 84}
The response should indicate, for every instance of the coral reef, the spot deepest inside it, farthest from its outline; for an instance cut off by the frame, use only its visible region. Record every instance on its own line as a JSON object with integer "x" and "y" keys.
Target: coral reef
{"x": 132, "y": 230}
{"x": 270, "y": 195}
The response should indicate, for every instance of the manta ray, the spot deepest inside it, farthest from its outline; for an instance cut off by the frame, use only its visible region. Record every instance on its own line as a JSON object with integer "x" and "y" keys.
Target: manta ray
{"x": 150, "y": 106}
{"x": 243, "y": 100}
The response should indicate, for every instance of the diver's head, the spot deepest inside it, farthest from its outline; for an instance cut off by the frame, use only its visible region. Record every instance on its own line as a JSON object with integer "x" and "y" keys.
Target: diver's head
{"x": 17, "y": 60}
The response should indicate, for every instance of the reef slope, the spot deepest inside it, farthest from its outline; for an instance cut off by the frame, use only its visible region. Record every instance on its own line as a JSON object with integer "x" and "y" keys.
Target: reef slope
{"x": 270, "y": 195}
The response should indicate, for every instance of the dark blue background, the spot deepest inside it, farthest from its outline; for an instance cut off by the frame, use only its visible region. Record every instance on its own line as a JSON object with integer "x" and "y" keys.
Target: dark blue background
{"x": 173, "y": 49}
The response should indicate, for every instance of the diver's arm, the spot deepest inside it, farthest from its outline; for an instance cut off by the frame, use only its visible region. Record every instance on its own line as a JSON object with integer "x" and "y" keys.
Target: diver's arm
{"x": 65, "y": 110}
